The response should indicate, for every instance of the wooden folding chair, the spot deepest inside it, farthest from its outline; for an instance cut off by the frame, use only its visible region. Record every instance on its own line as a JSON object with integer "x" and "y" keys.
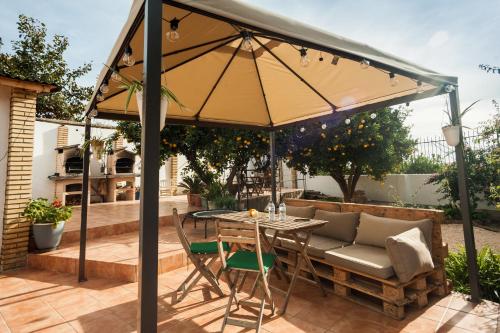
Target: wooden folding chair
{"x": 246, "y": 234}
{"x": 199, "y": 254}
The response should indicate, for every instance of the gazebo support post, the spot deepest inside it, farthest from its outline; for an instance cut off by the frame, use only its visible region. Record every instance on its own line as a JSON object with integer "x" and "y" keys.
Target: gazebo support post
{"x": 82, "y": 276}
{"x": 272, "y": 140}
{"x": 150, "y": 160}
{"x": 470, "y": 245}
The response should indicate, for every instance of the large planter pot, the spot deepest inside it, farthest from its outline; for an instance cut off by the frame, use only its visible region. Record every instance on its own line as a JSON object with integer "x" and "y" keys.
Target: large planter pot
{"x": 451, "y": 134}
{"x": 194, "y": 199}
{"x": 211, "y": 205}
{"x": 204, "y": 203}
{"x": 46, "y": 235}
{"x": 163, "y": 108}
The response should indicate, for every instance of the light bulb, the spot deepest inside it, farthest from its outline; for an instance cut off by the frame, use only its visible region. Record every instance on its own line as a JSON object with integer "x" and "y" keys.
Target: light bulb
{"x": 392, "y": 78}
{"x": 335, "y": 60}
{"x": 420, "y": 88}
{"x": 247, "y": 43}
{"x": 304, "y": 60}
{"x": 323, "y": 126}
{"x": 449, "y": 88}
{"x": 347, "y": 121}
{"x": 115, "y": 76}
{"x": 99, "y": 97}
{"x": 302, "y": 129}
{"x": 173, "y": 36}
{"x": 104, "y": 87}
{"x": 373, "y": 116}
{"x": 93, "y": 113}
{"x": 364, "y": 64}
{"x": 128, "y": 59}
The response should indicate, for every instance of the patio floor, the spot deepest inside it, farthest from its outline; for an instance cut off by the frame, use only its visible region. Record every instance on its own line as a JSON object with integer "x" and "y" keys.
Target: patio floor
{"x": 42, "y": 301}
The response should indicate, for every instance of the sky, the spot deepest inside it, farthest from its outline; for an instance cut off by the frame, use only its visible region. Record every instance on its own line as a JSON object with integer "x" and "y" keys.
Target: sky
{"x": 449, "y": 36}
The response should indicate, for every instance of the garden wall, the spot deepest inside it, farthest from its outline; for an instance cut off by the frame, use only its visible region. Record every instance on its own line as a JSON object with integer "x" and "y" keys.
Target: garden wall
{"x": 405, "y": 188}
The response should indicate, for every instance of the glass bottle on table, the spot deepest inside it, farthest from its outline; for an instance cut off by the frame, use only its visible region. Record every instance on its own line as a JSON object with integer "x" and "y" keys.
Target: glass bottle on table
{"x": 282, "y": 212}
{"x": 271, "y": 209}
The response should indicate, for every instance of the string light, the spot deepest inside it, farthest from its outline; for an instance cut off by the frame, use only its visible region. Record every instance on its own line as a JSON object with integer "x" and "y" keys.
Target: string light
{"x": 302, "y": 129}
{"x": 364, "y": 64}
{"x": 449, "y": 88}
{"x": 115, "y": 76}
{"x": 99, "y": 97}
{"x": 335, "y": 60}
{"x": 420, "y": 88}
{"x": 347, "y": 121}
{"x": 93, "y": 113}
{"x": 247, "y": 41}
{"x": 320, "y": 57}
{"x": 392, "y": 78}
{"x": 104, "y": 87}
{"x": 373, "y": 116}
{"x": 128, "y": 58}
{"x": 304, "y": 59}
{"x": 323, "y": 126}
{"x": 173, "y": 35}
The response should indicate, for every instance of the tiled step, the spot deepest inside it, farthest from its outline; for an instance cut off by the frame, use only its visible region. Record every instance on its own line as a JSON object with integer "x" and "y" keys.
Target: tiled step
{"x": 116, "y": 257}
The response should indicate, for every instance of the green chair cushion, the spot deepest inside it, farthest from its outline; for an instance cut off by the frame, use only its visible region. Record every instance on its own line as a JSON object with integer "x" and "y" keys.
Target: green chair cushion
{"x": 248, "y": 261}
{"x": 207, "y": 247}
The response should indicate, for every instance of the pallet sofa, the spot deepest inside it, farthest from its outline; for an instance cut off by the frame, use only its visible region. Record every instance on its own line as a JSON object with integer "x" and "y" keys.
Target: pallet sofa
{"x": 351, "y": 257}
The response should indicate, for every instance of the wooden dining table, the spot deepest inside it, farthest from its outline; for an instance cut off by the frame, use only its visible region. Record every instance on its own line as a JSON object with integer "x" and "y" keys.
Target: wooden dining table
{"x": 294, "y": 228}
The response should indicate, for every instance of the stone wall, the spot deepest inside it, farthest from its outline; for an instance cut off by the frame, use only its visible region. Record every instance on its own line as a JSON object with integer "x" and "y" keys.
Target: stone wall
{"x": 18, "y": 181}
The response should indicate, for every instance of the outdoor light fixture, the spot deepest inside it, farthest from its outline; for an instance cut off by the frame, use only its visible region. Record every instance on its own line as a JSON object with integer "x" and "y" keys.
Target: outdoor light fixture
{"x": 99, "y": 97}
{"x": 335, "y": 60}
{"x": 373, "y": 115}
{"x": 302, "y": 129}
{"x": 420, "y": 88}
{"x": 115, "y": 76}
{"x": 449, "y": 88}
{"x": 393, "y": 79}
{"x": 93, "y": 113}
{"x": 104, "y": 88}
{"x": 347, "y": 121}
{"x": 247, "y": 41}
{"x": 323, "y": 126}
{"x": 364, "y": 64}
{"x": 304, "y": 59}
{"x": 173, "y": 35}
{"x": 128, "y": 59}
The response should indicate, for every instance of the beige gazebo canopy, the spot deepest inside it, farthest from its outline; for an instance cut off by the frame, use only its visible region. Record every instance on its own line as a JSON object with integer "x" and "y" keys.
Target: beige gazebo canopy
{"x": 219, "y": 81}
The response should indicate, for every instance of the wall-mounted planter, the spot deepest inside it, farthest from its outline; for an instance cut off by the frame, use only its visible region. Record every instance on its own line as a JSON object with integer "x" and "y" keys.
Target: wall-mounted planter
{"x": 163, "y": 107}
{"x": 452, "y": 134}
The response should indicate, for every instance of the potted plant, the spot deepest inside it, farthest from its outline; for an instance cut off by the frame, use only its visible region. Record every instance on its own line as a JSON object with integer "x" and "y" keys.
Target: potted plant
{"x": 193, "y": 186}
{"x": 214, "y": 191}
{"x": 48, "y": 220}
{"x": 135, "y": 87}
{"x": 452, "y": 132}
{"x": 98, "y": 146}
{"x": 225, "y": 202}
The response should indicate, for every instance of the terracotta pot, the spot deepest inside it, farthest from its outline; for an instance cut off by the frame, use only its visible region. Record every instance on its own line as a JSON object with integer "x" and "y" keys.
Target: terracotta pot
{"x": 194, "y": 199}
{"x": 163, "y": 108}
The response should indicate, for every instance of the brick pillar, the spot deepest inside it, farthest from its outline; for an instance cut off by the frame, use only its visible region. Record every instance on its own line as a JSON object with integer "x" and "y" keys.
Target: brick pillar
{"x": 18, "y": 184}
{"x": 173, "y": 175}
{"x": 118, "y": 144}
{"x": 62, "y": 136}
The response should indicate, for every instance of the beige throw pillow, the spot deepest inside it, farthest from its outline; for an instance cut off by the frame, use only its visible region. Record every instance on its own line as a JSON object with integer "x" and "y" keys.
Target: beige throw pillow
{"x": 374, "y": 230}
{"x": 409, "y": 254}
{"x": 306, "y": 212}
{"x": 341, "y": 226}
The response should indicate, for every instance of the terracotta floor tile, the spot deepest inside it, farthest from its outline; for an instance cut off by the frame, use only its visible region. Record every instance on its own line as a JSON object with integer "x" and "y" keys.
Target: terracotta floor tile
{"x": 30, "y": 315}
{"x": 3, "y": 326}
{"x": 61, "y": 328}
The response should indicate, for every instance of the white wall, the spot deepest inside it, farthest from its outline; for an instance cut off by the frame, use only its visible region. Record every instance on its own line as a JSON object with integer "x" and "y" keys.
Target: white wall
{"x": 406, "y": 188}
{"x": 4, "y": 140}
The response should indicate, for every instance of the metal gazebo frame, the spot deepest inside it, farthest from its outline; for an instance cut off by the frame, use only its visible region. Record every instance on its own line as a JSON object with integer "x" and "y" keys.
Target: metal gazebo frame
{"x": 149, "y": 204}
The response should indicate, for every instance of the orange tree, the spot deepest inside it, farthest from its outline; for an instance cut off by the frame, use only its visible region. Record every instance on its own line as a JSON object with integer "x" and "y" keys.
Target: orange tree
{"x": 210, "y": 152}
{"x": 345, "y": 148}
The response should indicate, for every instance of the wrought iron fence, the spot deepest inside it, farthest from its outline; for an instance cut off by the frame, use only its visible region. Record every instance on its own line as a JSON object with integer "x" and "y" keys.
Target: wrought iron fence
{"x": 436, "y": 147}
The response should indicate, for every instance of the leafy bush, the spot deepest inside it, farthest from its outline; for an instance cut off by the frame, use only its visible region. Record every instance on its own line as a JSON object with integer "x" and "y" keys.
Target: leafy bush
{"x": 421, "y": 165}
{"x": 42, "y": 211}
{"x": 192, "y": 184}
{"x": 489, "y": 272}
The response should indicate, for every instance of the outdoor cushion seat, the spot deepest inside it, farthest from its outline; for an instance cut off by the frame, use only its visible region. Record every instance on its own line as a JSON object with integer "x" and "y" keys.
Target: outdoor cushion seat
{"x": 248, "y": 261}
{"x": 362, "y": 258}
{"x": 207, "y": 247}
{"x": 317, "y": 245}
{"x": 306, "y": 212}
{"x": 341, "y": 226}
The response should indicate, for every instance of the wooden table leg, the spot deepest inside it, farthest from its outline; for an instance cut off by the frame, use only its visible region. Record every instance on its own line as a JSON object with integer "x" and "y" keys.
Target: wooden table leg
{"x": 270, "y": 246}
{"x": 305, "y": 257}
{"x": 291, "y": 286}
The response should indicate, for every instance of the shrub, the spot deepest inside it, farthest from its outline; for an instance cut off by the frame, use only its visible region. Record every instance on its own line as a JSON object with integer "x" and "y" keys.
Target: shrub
{"x": 489, "y": 272}
{"x": 421, "y": 165}
{"x": 42, "y": 211}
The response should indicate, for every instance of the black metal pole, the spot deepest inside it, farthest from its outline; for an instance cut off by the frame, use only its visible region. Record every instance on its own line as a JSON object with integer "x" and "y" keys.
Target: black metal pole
{"x": 272, "y": 139}
{"x": 82, "y": 276}
{"x": 470, "y": 245}
{"x": 150, "y": 159}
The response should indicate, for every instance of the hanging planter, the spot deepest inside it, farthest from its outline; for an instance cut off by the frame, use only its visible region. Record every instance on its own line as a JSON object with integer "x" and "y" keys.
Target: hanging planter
{"x": 451, "y": 134}
{"x": 98, "y": 146}
{"x": 163, "y": 107}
